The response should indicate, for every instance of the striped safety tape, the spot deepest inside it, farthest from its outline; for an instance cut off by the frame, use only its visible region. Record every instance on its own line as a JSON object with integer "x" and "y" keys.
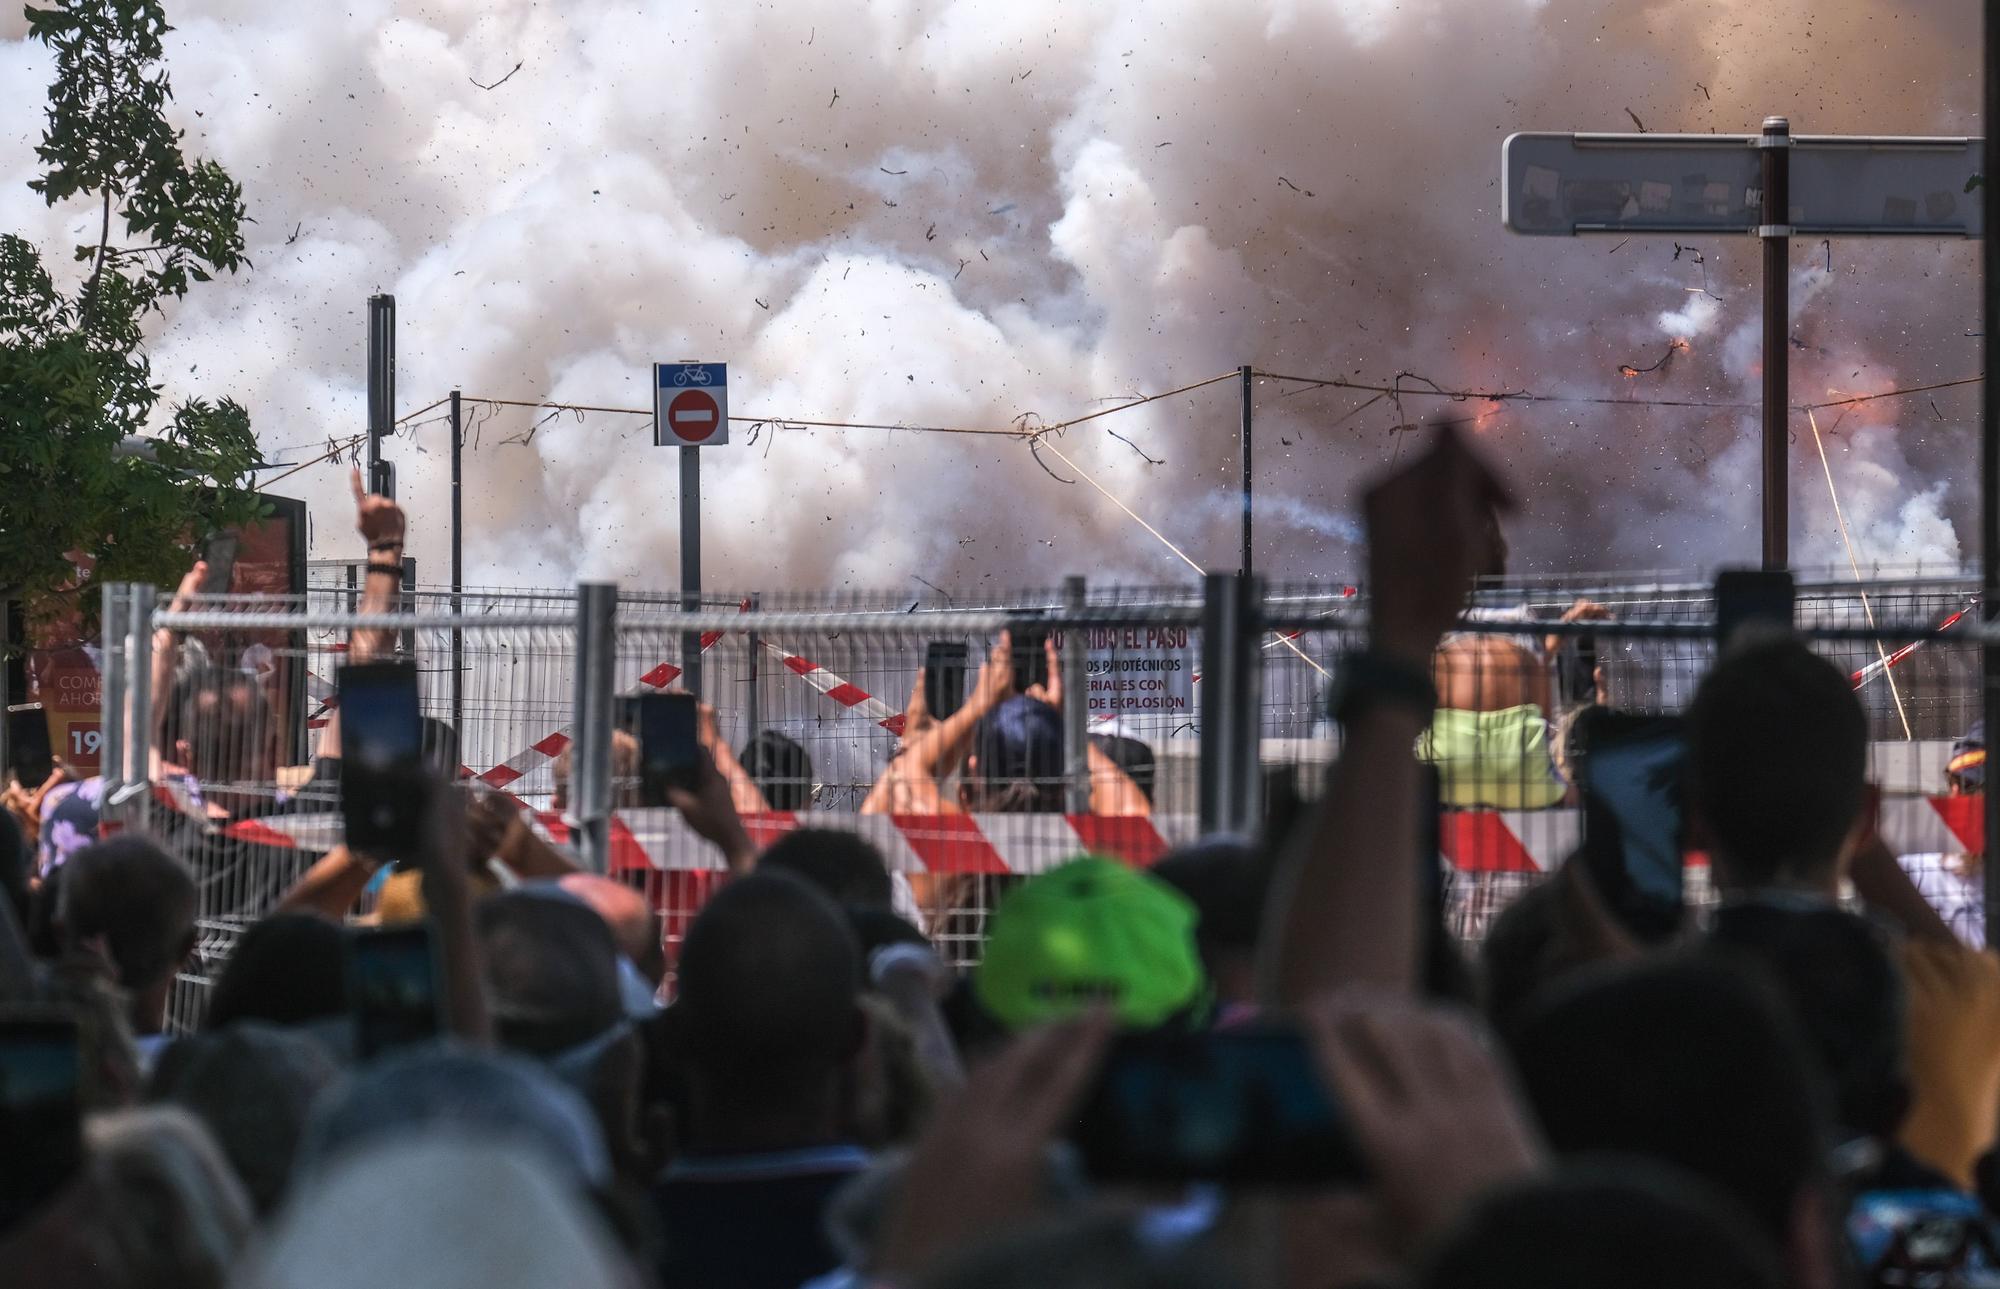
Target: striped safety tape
{"x": 1473, "y": 841}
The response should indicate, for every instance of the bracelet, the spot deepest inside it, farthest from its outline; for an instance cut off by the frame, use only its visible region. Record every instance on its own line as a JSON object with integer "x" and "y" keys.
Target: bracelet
{"x": 393, "y": 570}
{"x": 395, "y": 545}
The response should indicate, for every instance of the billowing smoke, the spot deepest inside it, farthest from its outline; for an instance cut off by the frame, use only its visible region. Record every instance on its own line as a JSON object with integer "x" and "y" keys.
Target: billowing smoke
{"x": 962, "y": 212}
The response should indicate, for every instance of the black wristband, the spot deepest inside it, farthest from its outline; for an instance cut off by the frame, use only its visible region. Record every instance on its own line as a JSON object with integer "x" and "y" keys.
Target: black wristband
{"x": 1372, "y": 679}
{"x": 395, "y": 545}
{"x": 393, "y": 570}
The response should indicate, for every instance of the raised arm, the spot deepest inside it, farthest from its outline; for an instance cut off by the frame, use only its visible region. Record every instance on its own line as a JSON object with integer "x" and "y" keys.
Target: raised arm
{"x": 909, "y": 784}
{"x": 381, "y": 524}
{"x": 1344, "y": 905}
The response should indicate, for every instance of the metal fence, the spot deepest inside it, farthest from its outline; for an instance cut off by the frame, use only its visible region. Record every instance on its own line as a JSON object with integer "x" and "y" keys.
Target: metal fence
{"x": 1209, "y": 700}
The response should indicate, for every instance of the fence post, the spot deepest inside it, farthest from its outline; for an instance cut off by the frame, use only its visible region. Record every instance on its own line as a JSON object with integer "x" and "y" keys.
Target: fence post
{"x": 590, "y": 730}
{"x": 111, "y": 690}
{"x": 752, "y": 704}
{"x": 137, "y": 773}
{"x": 1231, "y": 678}
{"x": 1076, "y": 697}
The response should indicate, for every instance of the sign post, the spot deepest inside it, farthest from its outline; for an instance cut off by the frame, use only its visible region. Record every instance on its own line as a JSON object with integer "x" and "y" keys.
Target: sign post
{"x": 691, "y": 411}
{"x": 1773, "y": 186}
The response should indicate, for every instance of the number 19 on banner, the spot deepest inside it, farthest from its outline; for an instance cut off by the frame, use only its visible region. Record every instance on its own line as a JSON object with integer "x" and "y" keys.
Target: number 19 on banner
{"x": 690, "y": 405}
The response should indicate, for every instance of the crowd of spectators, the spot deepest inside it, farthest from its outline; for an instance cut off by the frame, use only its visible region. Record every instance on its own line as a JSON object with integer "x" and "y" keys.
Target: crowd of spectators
{"x": 1800, "y": 1089}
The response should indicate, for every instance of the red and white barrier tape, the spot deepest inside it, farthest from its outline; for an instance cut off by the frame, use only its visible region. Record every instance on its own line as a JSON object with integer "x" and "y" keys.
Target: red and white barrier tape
{"x": 1473, "y": 841}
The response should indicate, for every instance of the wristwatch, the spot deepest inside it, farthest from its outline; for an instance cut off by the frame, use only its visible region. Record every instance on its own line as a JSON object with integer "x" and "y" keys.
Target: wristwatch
{"x": 1368, "y": 679}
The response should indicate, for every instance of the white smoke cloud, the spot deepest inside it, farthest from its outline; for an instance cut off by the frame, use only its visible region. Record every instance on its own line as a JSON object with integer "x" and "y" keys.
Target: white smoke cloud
{"x": 963, "y": 211}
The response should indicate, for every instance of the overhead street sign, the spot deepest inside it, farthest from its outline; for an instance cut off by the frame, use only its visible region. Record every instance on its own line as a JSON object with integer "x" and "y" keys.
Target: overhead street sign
{"x": 690, "y": 404}
{"x": 1840, "y": 186}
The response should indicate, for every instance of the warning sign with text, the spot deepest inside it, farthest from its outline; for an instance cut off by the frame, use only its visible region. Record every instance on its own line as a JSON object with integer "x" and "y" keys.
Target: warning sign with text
{"x": 1138, "y": 670}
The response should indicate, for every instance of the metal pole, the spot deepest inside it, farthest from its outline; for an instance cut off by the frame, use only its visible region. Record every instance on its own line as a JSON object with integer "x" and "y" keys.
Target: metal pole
{"x": 1775, "y": 231}
{"x": 138, "y": 769}
{"x": 1989, "y": 460}
{"x": 381, "y": 383}
{"x": 457, "y": 568}
{"x": 1244, "y": 374}
{"x": 590, "y": 728}
{"x": 111, "y": 689}
{"x": 1231, "y": 677}
{"x": 1076, "y": 699}
{"x": 691, "y": 564}
{"x": 754, "y": 706}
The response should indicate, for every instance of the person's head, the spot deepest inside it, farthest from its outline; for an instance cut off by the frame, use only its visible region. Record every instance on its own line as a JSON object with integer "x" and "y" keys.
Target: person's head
{"x": 624, "y": 773}
{"x": 1777, "y": 754}
{"x": 1016, "y": 763}
{"x": 252, "y": 1086}
{"x": 1692, "y": 1062}
{"x": 168, "y": 1209}
{"x": 1226, "y": 881}
{"x": 1844, "y": 988}
{"x": 446, "y": 1211}
{"x": 222, "y": 729}
{"x": 1965, "y": 770}
{"x": 633, "y": 925}
{"x": 1129, "y": 755}
{"x": 446, "y": 1089}
{"x": 844, "y": 865}
{"x": 287, "y": 969}
{"x": 139, "y": 902}
{"x": 1613, "y": 1221}
{"x": 768, "y": 1012}
{"x": 1094, "y": 932}
{"x": 780, "y": 768}
{"x": 556, "y": 993}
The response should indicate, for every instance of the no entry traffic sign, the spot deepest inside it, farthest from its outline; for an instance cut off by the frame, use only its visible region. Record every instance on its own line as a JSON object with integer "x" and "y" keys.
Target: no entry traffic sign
{"x": 690, "y": 404}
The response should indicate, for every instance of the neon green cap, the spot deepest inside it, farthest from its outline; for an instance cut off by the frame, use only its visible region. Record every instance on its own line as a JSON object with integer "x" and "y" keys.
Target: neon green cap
{"x": 1094, "y": 932}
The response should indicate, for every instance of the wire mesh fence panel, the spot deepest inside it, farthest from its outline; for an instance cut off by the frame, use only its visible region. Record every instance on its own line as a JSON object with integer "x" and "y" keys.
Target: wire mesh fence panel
{"x": 907, "y": 725}
{"x": 245, "y": 729}
{"x": 867, "y": 715}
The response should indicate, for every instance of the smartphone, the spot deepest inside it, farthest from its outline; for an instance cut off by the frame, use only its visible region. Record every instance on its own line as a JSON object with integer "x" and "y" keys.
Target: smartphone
{"x": 1244, "y": 1106}
{"x": 219, "y": 553}
{"x": 1746, "y": 597}
{"x": 41, "y": 1119}
{"x": 393, "y": 987}
{"x": 1631, "y": 772}
{"x": 382, "y": 771}
{"x": 669, "y": 755}
{"x": 1031, "y": 659}
{"x": 944, "y": 678}
{"x": 29, "y": 753}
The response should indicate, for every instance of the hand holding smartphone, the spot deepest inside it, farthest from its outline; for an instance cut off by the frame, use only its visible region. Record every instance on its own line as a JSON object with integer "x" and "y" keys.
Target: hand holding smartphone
{"x": 945, "y": 662}
{"x": 394, "y": 987}
{"x": 669, "y": 745}
{"x": 1245, "y": 1106}
{"x": 1631, "y": 769}
{"x": 1030, "y": 656}
{"x": 383, "y": 776}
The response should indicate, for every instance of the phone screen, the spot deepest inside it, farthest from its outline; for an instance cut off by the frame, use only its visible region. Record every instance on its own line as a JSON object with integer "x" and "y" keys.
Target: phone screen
{"x": 1240, "y": 1105}
{"x": 219, "y": 553}
{"x": 1631, "y": 770}
{"x": 1030, "y": 656}
{"x": 944, "y": 678}
{"x": 41, "y": 1121}
{"x": 382, "y": 756}
{"x": 392, "y": 987}
{"x": 668, "y": 751}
